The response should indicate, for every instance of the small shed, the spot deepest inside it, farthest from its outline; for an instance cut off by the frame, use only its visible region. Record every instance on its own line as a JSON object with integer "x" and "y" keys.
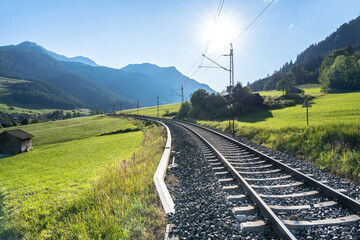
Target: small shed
{"x": 15, "y": 141}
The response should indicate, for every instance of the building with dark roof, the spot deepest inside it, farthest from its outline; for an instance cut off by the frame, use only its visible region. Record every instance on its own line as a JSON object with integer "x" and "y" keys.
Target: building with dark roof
{"x": 15, "y": 141}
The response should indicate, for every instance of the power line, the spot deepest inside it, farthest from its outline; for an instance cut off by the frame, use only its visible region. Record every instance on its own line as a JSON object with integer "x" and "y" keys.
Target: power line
{"x": 216, "y": 18}
{"x": 242, "y": 33}
{"x": 253, "y": 21}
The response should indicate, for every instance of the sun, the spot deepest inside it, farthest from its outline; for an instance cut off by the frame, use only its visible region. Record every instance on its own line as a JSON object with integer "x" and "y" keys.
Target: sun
{"x": 220, "y": 34}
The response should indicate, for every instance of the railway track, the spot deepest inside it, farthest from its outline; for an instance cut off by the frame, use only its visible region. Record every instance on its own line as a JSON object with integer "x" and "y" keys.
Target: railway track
{"x": 268, "y": 192}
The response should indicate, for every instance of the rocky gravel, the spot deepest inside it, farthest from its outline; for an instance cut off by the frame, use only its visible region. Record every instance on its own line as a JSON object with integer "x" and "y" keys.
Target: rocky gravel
{"x": 201, "y": 209}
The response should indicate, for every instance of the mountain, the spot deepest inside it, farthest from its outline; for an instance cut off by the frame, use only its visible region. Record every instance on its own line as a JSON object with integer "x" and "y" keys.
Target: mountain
{"x": 29, "y": 61}
{"x": 79, "y": 59}
{"x": 169, "y": 76}
{"x": 306, "y": 67}
{"x": 97, "y": 86}
{"x": 34, "y": 93}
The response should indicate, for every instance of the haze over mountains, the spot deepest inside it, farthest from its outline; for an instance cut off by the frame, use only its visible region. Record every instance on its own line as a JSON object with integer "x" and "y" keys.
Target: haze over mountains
{"x": 82, "y": 83}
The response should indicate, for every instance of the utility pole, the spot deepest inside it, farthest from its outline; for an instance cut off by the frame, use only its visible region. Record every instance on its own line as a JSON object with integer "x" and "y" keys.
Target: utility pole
{"x": 137, "y": 106}
{"x": 231, "y": 85}
{"x": 157, "y": 106}
{"x": 182, "y": 94}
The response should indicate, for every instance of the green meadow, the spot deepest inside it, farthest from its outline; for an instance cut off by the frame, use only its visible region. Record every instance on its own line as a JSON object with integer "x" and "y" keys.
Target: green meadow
{"x": 68, "y": 187}
{"x": 309, "y": 89}
{"x": 165, "y": 111}
{"x": 331, "y": 141}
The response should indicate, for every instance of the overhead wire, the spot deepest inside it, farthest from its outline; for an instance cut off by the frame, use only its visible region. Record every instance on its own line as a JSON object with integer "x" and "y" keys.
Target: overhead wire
{"x": 248, "y": 26}
{"x": 216, "y": 18}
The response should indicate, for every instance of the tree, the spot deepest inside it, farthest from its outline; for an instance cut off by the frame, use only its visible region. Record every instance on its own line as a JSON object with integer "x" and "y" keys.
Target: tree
{"x": 283, "y": 86}
{"x": 197, "y": 98}
{"x": 68, "y": 115}
{"x": 25, "y": 121}
{"x": 340, "y": 72}
{"x": 6, "y": 124}
{"x": 184, "y": 110}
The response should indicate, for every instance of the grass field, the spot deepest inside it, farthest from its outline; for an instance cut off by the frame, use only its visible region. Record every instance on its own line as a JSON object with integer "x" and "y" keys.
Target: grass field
{"x": 332, "y": 140}
{"x": 45, "y": 191}
{"x": 152, "y": 111}
{"x": 309, "y": 89}
{"x": 341, "y": 108}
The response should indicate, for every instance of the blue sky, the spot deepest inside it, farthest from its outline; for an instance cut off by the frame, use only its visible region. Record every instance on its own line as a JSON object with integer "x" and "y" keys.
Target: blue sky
{"x": 175, "y": 33}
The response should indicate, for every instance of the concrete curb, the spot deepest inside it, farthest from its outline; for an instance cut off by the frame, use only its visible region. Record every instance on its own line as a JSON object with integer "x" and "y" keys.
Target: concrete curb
{"x": 160, "y": 173}
{"x": 163, "y": 192}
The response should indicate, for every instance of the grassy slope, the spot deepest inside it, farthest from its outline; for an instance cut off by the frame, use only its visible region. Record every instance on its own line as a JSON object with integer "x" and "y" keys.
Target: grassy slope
{"x": 309, "y": 89}
{"x": 152, "y": 111}
{"x": 5, "y": 108}
{"x": 331, "y": 141}
{"x": 68, "y": 159}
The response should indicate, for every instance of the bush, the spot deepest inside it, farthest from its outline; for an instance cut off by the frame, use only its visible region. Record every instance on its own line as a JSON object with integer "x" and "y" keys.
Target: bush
{"x": 6, "y": 124}
{"x": 25, "y": 121}
{"x": 184, "y": 111}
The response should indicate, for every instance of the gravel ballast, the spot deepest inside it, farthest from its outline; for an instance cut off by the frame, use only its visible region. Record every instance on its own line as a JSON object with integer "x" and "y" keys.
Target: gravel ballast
{"x": 202, "y": 211}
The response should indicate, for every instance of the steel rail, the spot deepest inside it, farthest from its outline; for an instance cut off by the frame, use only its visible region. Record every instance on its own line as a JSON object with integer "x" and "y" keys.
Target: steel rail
{"x": 344, "y": 199}
{"x": 278, "y": 226}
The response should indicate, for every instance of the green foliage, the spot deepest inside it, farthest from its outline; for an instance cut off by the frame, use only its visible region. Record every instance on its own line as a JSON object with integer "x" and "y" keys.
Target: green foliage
{"x": 184, "y": 111}
{"x": 245, "y": 101}
{"x": 207, "y": 105}
{"x": 197, "y": 98}
{"x": 76, "y": 187}
{"x": 340, "y": 71}
{"x": 283, "y": 86}
{"x": 25, "y": 121}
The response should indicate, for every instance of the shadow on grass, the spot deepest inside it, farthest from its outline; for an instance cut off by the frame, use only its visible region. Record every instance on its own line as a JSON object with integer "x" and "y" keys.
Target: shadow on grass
{"x": 256, "y": 117}
{"x": 121, "y": 131}
{"x": 7, "y": 231}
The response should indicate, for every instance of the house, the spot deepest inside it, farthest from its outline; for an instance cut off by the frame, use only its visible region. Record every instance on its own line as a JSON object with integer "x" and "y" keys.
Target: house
{"x": 15, "y": 141}
{"x": 226, "y": 93}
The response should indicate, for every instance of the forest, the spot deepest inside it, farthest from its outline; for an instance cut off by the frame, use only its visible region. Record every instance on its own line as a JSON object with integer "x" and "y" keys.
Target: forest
{"x": 309, "y": 64}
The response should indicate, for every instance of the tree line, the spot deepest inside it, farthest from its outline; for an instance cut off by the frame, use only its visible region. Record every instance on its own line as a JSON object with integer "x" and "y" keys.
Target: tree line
{"x": 203, "y": 105}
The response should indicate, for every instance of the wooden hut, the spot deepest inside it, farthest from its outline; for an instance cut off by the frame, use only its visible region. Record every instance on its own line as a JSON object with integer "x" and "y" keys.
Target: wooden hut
{"x": 15, "y": 141}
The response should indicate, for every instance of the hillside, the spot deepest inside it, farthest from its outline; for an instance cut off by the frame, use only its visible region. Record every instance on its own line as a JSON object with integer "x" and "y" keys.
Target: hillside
{"x": 28, "y": 61}
{"x": 94, "y": 86}
{"x": 35, "y": 93}
{"x": 307, "y": 65}
{"x": 53, "y": 186}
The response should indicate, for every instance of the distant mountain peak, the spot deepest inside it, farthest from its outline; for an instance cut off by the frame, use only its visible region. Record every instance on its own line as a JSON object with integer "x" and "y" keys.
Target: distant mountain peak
{"x": 80, "y": 59}
{"x": 28, "y": 43}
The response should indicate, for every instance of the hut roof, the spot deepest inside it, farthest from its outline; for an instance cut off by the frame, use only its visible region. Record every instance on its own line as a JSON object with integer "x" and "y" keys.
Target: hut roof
{"x": 19, "y": 134}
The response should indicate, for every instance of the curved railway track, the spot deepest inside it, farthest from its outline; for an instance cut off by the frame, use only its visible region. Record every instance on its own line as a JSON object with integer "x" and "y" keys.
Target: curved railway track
{"x": 267, "y": 191}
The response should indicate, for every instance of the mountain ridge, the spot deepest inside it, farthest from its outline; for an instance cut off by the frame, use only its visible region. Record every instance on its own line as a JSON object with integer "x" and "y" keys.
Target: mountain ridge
{"x": 306, "y": 67}
{"x": 97, "y": 86}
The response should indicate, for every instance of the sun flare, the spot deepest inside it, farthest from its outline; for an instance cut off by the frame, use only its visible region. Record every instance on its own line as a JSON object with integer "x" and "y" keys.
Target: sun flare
{"x": 220, "y": 34}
